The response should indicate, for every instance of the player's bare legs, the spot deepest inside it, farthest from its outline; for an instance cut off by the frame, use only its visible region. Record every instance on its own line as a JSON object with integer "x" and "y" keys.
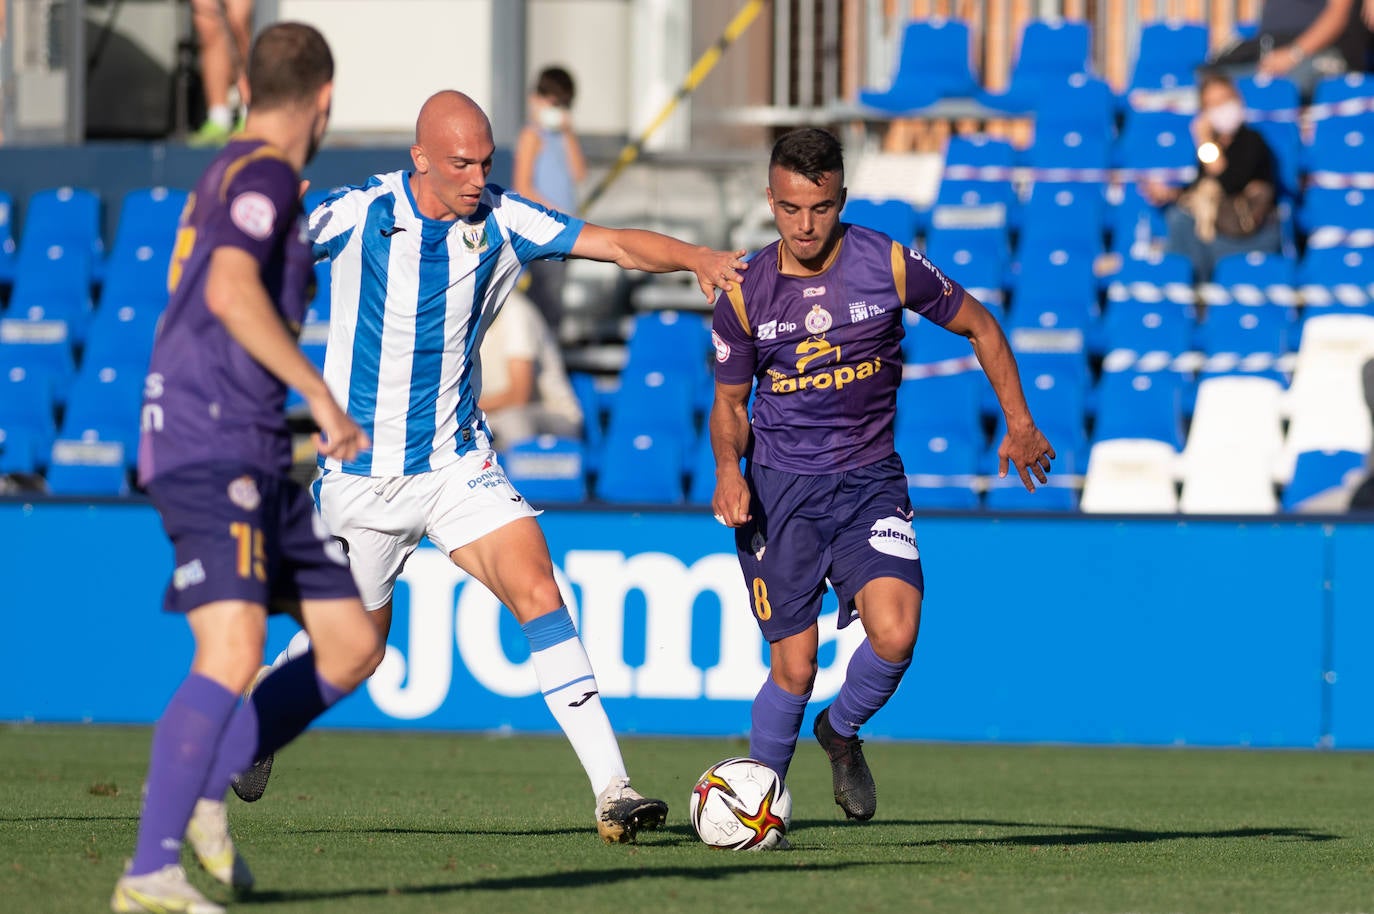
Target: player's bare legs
{"x": 891, "y": 613}
{"x": 776, "y": 715}
{"x": 513, "y": 562}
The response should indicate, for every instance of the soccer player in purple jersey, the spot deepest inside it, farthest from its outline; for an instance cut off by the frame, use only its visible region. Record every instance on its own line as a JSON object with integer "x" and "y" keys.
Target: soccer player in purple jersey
{"x": 215, "y": 456}
{"x": 817, "y": 324}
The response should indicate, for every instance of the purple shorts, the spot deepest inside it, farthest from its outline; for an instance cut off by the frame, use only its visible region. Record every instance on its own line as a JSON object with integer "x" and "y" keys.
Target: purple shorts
{"x": 851, "y": 528}
{"x": 240, "y": 533}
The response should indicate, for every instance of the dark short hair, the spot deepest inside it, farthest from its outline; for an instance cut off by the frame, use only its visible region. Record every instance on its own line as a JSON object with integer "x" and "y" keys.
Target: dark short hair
{"x": 556, "y": 84}
{"x": 810, "y": 152}
{"x": 288, "y": 65}
{"x": 1212, "y": 77}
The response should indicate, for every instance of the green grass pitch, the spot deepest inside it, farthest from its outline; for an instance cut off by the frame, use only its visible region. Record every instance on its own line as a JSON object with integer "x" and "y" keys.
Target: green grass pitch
{"x": 393, "y": 822}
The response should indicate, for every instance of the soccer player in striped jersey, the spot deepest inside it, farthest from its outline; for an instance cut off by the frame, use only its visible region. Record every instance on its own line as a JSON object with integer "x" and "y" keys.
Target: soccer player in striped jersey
{"x": 421, "y": 262}
{"x": 817, "y": 324}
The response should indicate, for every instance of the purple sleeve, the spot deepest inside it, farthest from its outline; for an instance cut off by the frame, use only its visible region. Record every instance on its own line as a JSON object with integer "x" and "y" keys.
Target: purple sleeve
{"x": 259, "y": 205}
{"x": 736, "y": 358}
{"x": 927, "y": 290}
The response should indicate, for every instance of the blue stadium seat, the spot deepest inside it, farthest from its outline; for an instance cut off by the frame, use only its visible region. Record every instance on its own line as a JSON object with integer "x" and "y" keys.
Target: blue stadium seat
{"x": 42, "y": 347}
{"x": 136, "y": 277}
{"x": 68, "y": 217}
{"x": 148, "y": 218}
{"x": 88, "y": 467}
{"x": 894, "y": 218}
{"x": 940, "y": 471}
{"x": 641, "y": 468}
{"x": 1147, "y": 327}
{"x": 1245, "y": 329}
{"x": 1064, "y": 215}
{"x": 948, "y": 405}
{"x": 19, "y": 450}
{"x": 121, "y": 335}
{"x": 1168, "y": 56}
{"x": 1272, "y": 109}
{"x": 1077, "y": 101}
{"x": 547, "y": 469}
{"x": 53, "y": 284}
{"x": 1055, "y": 292}
{"x": 1057, "y": 400}
{"x": 27, "y": 401}
{"x": 933, "y": 64}
{"x": 105, "y": 400}
{"x": 7, "y": 245}
{"x": 976, "y": 192}
{"x": 976, "y": 261}
{"x": 1318, "y": 472}
{"x": 1157, "y": 143}
{"x": 1342, "y": 148}
{"x": 1349, "y": 94}
{"x": 931, "y": 349}
{"x": 1062, "y": 153}
{"x": 653, "y": 399}
{"x": 1049, "y": 51}
{"x": 1133, "y": 404}
{"x": 1255, "y": 268}
{"x": 1335, "y": 281}
{"x": 1332, "y": 215}
{"x": 1134, "y": 223}
{"x": 672, "y": 342}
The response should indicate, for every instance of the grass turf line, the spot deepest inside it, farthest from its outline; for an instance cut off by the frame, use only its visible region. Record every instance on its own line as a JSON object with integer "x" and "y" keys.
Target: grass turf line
{"x": 391, "y": 822}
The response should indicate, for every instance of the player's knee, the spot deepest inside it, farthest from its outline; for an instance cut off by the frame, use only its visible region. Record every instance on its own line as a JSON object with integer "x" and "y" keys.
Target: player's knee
{"x": 895, "y": 640}
{"x": 539, "y": 597}
{"x": 796, "y": 674}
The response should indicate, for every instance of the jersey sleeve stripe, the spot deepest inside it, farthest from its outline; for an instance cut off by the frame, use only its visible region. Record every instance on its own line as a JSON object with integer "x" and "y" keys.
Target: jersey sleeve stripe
{"x": 899, "y": 271}
{"x": 736, "y": 295}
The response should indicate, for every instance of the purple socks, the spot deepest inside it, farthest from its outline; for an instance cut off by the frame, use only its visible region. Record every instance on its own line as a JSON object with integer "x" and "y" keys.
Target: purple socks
{"x": 776, "y": 720}
{"x": 868, "y": 683}
{"x": 184, "y": 745}
{"x": 281, "y": 707}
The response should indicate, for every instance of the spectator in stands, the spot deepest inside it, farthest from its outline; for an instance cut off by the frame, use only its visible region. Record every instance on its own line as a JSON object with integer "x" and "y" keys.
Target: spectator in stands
{"x": 525, "y": 391}
{"x": 1303, "y": 40}
{"x": 1229, "y": 207}
{"x": 547, "y": 168}
{"x": 222, "y": 28}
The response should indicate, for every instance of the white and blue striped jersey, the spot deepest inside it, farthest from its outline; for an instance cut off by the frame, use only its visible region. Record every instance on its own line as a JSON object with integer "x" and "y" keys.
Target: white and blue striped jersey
{"x": 411, "y": 300}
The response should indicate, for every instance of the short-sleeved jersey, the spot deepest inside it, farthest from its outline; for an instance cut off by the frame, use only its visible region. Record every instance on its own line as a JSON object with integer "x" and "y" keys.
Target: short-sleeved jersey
{"x": 205, "y": 398}
{"x": 410, "y": 300}
{"x": 826, "y": 349}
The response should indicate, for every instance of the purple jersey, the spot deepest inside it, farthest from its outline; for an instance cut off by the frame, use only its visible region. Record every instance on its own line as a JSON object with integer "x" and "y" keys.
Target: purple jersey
{"x": 826, "y": 349}
{"x": 205, "y": 398}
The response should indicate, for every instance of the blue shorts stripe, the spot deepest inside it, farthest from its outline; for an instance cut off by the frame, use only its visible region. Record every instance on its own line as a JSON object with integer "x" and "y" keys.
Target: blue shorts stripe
{"x": 570, "y": 682}
{"x": 550, "y": 630}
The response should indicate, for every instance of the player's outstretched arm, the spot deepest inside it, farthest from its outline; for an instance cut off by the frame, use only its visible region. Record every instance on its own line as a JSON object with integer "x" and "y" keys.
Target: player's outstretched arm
{"x": 652, "y": 252}
{"x": 1024, "y": 446}
{"x": 234, "y": 293}
{"x": 729, "y": 424}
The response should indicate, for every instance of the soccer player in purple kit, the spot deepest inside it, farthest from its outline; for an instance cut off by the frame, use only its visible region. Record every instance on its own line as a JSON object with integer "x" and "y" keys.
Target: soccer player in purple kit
{"x": 215, "y": 454}
{"x": 817, "y": 323}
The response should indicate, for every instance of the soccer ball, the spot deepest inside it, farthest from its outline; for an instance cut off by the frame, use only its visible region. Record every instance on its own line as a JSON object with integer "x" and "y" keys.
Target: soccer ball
{"x": 739, "y": 804}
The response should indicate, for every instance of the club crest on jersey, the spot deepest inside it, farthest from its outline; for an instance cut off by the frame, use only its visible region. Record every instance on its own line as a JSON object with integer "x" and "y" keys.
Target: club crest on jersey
{"x": 475, "y": 238}
{"x": 819, "y": 320}
{"x": 722, "y": 347}
{"x": 254, "y": 214}
{"x": 244, "y": 493}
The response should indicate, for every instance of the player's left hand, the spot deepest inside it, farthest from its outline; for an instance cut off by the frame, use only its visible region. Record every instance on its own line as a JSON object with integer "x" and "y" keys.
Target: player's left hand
{"x": 1027, "y": 449}
{"x": 718, "y": 269}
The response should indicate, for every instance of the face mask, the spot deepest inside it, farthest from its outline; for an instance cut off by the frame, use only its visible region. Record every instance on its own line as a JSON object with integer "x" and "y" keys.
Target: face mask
{"x": 1227, "y": 117}
{"x": 551, "y": 118}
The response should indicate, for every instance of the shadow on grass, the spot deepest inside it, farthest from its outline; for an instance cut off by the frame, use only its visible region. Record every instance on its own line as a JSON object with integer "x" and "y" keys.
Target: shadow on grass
{"x": 1053, "y": 834}
{"x": 571, "y": 879}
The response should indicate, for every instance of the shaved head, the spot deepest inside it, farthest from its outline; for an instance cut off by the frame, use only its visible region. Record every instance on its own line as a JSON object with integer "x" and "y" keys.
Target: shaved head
{"x": 447, "y": 113}
{"x": 452, "y": 155}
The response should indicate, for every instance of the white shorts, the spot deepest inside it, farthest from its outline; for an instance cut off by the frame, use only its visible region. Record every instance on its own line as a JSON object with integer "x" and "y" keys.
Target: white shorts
{"x": 382, "y": 518}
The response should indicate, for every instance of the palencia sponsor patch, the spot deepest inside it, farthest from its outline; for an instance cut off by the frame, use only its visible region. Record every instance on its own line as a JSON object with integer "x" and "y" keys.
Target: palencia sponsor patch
{"x": 894, "y": 536}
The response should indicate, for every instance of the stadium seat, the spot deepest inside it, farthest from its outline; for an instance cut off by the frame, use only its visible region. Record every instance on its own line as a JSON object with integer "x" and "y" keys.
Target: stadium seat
{"x": 1234, "y": 447}
{"x": 591, "y": 400}
{"x": 1213, "y": 486}
{"x": 1325, "y": 401}
{"x": 1054, "y": 297}
{"x": 137, "y": 277}
{"x": 148, "y": 218}
{"x": 671, "y": 342}
{"x": 106, "y": 400}
{"x": 41, "y": 346}
{"x": 52, "y": 284}
{"x": 1135, "y": 225}
{"x": 68, "y": 217}
{"x": 1156, "y": 144}
{"x": 940, "y": 471}
{"x": 27, "y": 401}
{"x": 1167, "y": 57}
{"x": 977, "y": 262}
{"x": 1272, "y": 109}
{"x": 1322, "y": 481}
{"x": 931, "y": 349}
{"x": 1334, "y": 281}
{"x": 1140, "y": 405}
{"x": 942, "y": 404}
{"x": 1049, "y": 52}
{"x": 547, "y": 469}
{"x": 1258, "y": 269}
{"x": 894, "y": 218}
{"x": 1130, "y": 476}
{"x": 1244, "y": 329}
{"x": 7, "y": 245}
{"x": 1337, "y": 216}
{"x": 933, "y": 64}
{"x": 1064, "y": 215}
{"x": 1063, "y": 152}
{"x": 1346, "y": 95}
{"x": 640, "y": 468}
{"x": 1142, "y": 319}
{"x": 19, "y": 450}
{"x": 1341, "y": 150}
{"x": 89, "y": 467}
{"x": 976, "y": 192}
{"x": 121, "y": 335}
{"x": 653, "y": 399}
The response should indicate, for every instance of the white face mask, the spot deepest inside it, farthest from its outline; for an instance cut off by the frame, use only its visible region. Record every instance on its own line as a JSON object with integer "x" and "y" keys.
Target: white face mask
{"x": 551, "y": 117}
{"x": 1227, "y": 117}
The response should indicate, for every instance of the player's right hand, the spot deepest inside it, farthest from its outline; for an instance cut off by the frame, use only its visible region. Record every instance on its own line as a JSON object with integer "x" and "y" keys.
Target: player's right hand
{"x": 731, "y": 501}
{"x": 339, "y": 436}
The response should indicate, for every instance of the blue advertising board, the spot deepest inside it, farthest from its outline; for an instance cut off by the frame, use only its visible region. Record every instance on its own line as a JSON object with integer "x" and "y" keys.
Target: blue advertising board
{"x": 1096, "y": 630}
